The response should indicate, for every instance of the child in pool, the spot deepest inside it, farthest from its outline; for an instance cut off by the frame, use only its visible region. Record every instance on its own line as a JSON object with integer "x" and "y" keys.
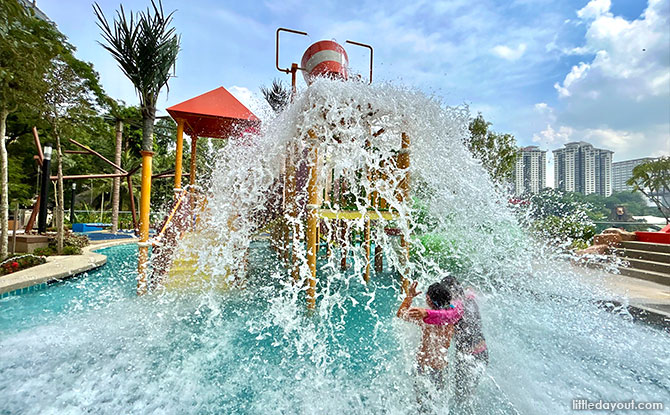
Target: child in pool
{"x": 432, "y": 356}
{"x": 471, "y": 352}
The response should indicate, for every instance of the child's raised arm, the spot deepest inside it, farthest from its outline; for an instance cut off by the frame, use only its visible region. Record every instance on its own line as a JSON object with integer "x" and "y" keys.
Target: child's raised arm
{"x": 407, "y": 302}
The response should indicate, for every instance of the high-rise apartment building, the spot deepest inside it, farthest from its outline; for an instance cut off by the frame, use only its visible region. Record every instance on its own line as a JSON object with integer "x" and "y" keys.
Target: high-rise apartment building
{"x": 530, "y": 173}
{"x": 622, "y": 171}
{"x": 580, "y": 167}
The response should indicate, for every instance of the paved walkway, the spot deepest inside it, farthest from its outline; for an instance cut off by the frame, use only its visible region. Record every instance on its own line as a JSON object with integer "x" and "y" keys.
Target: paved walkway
{"x": 647, "y": 300}
{"x": 58, "y": 267}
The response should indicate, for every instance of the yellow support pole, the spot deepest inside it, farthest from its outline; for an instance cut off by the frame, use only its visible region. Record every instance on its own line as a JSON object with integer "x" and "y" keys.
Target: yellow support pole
{"x": 379, "y": 254}
{"x": 191, "y": 177}
{"x": 312, "y": 222}
{"x": 292, "y": 208}
{"x": 344, "y": 243}
{"x": 367, "y": 250}
{"x": 367, "y": 229}
{"x": 403, "y": 196}
{"x": 145, "y": 206}
{"x": 329, "y": 238}
{"x": 179, "y": 154}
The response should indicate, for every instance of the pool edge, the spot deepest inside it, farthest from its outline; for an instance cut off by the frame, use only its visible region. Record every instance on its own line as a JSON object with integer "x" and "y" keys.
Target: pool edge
{"x": 57, "y": 268}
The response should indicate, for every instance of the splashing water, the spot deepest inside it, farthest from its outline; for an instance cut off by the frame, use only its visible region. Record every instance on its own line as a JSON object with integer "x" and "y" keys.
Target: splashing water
{"x": 257, "y": 350}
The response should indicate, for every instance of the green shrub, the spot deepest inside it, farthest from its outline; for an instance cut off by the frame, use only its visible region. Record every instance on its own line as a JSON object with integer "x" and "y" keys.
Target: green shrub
{"x": 45, "y": 251}
{"x": 75, "y": 240}
{"x": 443, "y": 250}
{"x": 566, "y": 228}
{"x": 70, "y": 240}
{"x": 19, "y": 263}
{"x": 71, "y": 250}
{"x": 560, "y": 217}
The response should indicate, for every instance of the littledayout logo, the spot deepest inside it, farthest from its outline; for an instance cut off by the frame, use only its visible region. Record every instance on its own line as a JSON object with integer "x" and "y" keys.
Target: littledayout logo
{"x": 600, "y": 405}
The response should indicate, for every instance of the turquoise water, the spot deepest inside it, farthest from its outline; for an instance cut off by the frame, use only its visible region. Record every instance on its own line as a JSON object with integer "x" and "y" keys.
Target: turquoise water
{"x": 90, "y": 345}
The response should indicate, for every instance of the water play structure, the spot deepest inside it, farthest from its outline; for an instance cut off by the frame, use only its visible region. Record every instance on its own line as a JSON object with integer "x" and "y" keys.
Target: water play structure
{"x": 305, "y": 208}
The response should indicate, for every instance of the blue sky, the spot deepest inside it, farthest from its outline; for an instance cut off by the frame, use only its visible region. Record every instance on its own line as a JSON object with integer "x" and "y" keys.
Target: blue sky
{"x": 546, "y": 71}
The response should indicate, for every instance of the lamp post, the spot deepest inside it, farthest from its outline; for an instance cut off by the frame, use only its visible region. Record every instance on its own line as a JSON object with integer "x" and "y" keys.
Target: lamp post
{"x": 44, "y": 191}
{"x": 74, "y": 188}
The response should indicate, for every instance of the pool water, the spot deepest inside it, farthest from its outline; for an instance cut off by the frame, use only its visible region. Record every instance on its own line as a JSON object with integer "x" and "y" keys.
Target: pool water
{"x": 90, "y": 345}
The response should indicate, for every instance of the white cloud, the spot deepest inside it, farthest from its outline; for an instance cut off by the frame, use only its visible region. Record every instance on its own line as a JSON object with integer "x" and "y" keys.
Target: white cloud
{"x": 251, "y": 100}
{"x": 544, "y": 110}
{"x": 594, "y": 9}
{"x": 508, "y": 53}
{"x": 630, "y": 58}
{"x": 576, "y": 73}
{"x": 619, "y": 141}
{"x": 551, "y": 137}
{"x": 618, "y": 96}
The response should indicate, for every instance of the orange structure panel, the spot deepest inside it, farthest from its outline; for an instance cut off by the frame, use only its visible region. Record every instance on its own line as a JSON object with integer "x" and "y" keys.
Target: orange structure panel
{"x": 214, "y": 114}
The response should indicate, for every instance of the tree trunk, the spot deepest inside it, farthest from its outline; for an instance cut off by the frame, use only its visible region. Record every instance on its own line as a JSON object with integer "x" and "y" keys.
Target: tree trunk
{"x": 60, "y": 211}
{"x": 148, "y": 118}
{"x": 4, "y": 197}
{"x": 117, "y": 180}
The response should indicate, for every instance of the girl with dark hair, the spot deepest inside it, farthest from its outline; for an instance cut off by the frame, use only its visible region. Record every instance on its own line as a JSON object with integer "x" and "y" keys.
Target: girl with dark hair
{"x": 432, "y": 355}
{"x": 471, "y": 351}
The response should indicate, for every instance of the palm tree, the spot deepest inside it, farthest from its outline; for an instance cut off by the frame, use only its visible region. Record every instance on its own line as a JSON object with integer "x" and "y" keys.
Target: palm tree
{"x": 145, "y": 46}
{"x": 278, "y": 96}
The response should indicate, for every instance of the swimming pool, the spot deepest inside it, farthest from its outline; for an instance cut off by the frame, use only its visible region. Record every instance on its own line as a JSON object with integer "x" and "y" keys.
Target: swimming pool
{"x": 90, "y": 344}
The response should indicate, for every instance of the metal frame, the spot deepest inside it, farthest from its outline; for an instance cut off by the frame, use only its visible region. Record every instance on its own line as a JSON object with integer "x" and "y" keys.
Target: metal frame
{"x": 365, "y": 45}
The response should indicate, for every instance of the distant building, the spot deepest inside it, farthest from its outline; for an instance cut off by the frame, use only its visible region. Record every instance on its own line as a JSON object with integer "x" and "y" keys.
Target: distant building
{"x": 530, "y": 173}
{"x": 580, "y": 167}
{"x": 622, "y": 171}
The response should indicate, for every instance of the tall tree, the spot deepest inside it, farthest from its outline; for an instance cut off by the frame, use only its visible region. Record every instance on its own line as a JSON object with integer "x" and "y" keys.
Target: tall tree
{"x": 27, "y": 45}
{"x": 652, "y": 179}
{"x": 121, "y": 115}
{"x": 497, "y": 152}
{"x": 145, "y": 46}
{"x": 68, "y": 96}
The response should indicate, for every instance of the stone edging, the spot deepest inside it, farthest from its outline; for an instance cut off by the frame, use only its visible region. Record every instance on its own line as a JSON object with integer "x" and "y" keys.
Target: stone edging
{"x": 57, "y": 267}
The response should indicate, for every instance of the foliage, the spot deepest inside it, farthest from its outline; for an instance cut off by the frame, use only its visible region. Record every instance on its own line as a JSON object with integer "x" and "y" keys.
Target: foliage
{"x": 72, "y": 245}
{"x": 652, "y": 179}
{"x": 45, "y": 251}
{"x": 87, "y": 115}
{"x": 146, "y": 48}
{"x": 278, "y": 95}
{"x": 19, "y": 263}
{"x": 602, "y": 206}
{"x": 571, "y": 228}
{"x": 560, "y": 217}
{"x": 75, "y": 240}
{"x": 71, "y": 250}
{"x": 27, "y": 45}
{"x": 497, "y": 152}
{"x": 443, "y": 250}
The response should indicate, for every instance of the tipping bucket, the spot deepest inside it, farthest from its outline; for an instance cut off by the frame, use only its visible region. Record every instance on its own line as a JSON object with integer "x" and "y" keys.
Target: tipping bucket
{"x": 325, "y": 58}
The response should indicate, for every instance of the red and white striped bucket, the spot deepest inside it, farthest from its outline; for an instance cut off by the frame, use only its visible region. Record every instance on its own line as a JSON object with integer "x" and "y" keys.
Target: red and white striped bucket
{"x": 325, "y": 58}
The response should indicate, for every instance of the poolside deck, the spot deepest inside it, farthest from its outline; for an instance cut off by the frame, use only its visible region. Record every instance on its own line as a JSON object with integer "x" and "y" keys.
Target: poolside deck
{"x": 646, "y": 300}
{"x": 57, "y": 267}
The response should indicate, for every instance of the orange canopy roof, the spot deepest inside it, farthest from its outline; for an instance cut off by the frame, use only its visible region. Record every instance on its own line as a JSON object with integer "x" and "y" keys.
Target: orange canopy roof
{"x": 214, "y": 114}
